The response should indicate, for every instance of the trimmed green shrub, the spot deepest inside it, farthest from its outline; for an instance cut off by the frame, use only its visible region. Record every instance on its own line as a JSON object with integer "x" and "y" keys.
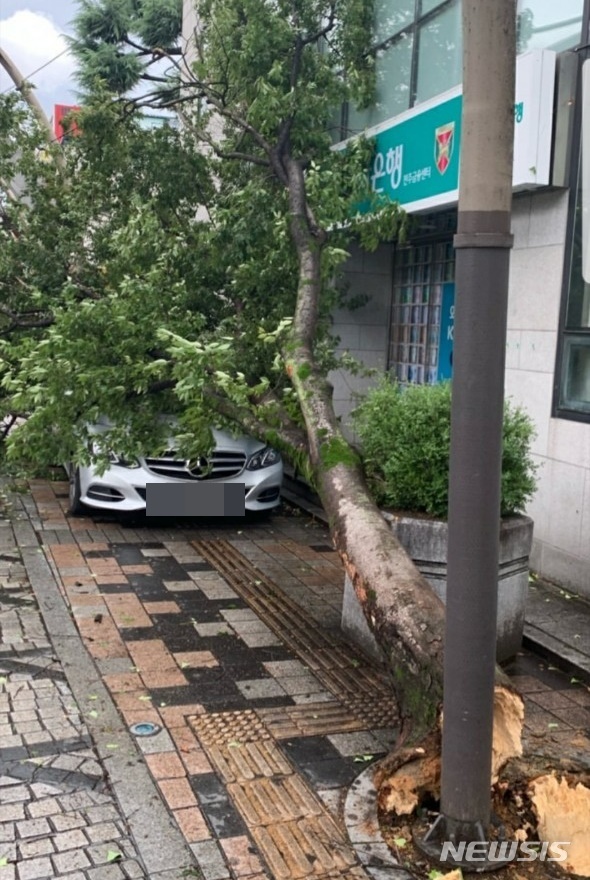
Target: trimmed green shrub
{"x": 405, "y": 436}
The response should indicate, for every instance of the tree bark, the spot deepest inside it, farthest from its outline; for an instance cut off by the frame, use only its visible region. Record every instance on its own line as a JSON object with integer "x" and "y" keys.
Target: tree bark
{"x": 401, "y": 609}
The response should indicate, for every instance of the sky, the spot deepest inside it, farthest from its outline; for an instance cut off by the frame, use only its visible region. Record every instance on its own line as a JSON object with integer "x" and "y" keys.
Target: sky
{"x": 32, "y": 34}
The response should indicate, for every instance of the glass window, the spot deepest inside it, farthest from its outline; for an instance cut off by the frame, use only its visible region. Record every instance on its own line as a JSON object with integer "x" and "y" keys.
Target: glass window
{"x": 549, "y": 24}
{"x": 439, "y": 53}
{"x": 393, "y": 69}
{"x": 428, "y": 5}
{"x": 575, "y": 392}
{"x": 391, "y": 16}
{"x": 574, "y": 370}
{"x": 422, "y": 309}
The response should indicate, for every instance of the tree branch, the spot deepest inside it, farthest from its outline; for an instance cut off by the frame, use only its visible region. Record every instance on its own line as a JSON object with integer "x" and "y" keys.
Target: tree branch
{"x": 228, "y": 154}
{"x": 26, "y": 320}
{"x": 291, "y": 437}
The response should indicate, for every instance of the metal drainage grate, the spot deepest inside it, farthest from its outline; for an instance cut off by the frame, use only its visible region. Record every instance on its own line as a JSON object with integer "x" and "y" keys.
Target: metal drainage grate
{"x": 144, "y": 728}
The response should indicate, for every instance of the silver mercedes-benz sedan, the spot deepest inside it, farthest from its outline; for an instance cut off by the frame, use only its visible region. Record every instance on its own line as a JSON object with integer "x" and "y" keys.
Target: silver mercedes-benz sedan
{"x": 122, "y": 486}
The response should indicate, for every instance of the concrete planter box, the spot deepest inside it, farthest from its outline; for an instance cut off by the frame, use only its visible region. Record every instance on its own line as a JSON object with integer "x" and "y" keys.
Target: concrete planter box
{"x": 426, "y": 542}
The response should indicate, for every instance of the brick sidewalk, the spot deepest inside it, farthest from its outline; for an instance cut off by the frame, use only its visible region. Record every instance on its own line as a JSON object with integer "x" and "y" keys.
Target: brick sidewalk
{"x": 58, "y": 817}
{"x": 228, "y": 640}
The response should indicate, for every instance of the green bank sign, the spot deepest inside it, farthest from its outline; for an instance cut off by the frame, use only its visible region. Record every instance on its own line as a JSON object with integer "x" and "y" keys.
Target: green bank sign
{"x": 416, "y": 161}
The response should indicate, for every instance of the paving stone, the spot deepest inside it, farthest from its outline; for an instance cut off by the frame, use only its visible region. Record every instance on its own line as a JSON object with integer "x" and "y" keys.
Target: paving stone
{"x": 78, "y": 800}
{"x": 177, "y": 793}
{"x": 210, "y": 859}
{"x": 165, "y": 765}
{"x": 67, "y": 821}
{"x": 7, "y": 832}
{"x": 70, "y": 840}
{"x": 106, "y": 872}
{"x": 8, "y": 851}
{"x": 99, "y": 853}
{"x": 160, "y": 742}
{"x": 33, "y": 848}
{"x": 14, "y": 794}
{"x": 99, "y": 814}
{"x": 71, "y": 861}
{"x": 35, "y": 869}
{"x": 104, "y": 831}
{"x": 33, "y": 828}
{"x": 256, "y": 689}
{"x": 42, "y": 790}
{"x": 360, "y": 743}
{"x": 132, "y": 870}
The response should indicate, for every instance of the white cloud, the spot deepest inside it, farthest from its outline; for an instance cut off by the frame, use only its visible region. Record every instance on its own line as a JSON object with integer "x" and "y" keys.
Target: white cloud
{"x": 31, "y": 39}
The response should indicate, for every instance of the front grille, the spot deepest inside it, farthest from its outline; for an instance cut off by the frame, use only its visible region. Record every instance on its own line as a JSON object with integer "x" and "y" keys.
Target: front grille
{"x": 105, "y": 493}
{"x": 220, "y": 465}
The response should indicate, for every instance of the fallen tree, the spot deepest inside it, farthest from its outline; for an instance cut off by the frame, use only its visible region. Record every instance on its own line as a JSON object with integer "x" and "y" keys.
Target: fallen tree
{"x": 256, "y": 91}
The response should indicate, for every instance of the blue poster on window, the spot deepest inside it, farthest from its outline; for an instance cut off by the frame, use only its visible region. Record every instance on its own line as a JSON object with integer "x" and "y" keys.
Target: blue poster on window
{"x": 447, "y": 329}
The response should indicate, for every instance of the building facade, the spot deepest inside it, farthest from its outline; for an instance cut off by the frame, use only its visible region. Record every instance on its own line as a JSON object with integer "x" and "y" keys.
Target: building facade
{"x": 405, "y": 326}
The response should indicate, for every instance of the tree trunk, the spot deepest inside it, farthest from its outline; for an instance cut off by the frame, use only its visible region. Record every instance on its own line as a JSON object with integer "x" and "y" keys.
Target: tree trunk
{"x": 403, "y": 612}
{"x": 405, "y": 615}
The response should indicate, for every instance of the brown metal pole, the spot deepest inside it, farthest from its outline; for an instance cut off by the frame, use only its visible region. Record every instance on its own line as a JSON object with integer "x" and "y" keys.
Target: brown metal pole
{"x": 483, "y": 243}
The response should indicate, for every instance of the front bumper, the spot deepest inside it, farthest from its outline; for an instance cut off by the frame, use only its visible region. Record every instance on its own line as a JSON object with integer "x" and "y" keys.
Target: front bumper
{"x": 124, "y": 489}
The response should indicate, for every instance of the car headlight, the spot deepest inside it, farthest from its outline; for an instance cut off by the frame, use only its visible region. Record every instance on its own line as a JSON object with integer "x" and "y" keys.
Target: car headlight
{"x": 265, "y": 458}
{"x": 123, "y": 462}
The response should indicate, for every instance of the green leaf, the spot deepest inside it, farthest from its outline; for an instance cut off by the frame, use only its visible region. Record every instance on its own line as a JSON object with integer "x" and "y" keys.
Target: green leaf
{"x": 92, "y": 714}
{"x": 114, "y": 856}
{"x": 400, "y": 842}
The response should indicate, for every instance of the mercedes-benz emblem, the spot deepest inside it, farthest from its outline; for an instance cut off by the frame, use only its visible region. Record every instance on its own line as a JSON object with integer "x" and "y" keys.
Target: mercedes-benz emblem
{"x": 197, "y": 466}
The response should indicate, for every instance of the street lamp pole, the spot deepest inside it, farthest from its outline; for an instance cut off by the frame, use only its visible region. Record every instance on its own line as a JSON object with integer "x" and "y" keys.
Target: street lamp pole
{"x": 482, "y": 243}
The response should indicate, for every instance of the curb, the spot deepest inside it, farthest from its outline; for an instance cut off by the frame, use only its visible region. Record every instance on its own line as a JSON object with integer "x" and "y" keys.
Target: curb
{"x": 362, "y": 826}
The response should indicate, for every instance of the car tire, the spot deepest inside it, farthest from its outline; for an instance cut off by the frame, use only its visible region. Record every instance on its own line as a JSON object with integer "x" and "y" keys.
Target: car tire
{"x": 75, "y": 507}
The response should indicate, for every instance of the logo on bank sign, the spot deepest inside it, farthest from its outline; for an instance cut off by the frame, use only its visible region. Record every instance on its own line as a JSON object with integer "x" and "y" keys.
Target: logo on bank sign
{"x": 444, "y": 141}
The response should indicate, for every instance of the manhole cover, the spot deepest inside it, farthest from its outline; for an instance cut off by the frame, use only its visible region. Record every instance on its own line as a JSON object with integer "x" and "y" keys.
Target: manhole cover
{"x": 144, "y": 728}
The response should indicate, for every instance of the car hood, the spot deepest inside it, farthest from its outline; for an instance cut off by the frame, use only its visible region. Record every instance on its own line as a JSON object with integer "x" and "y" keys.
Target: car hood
{"x": 223, "y": 439}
